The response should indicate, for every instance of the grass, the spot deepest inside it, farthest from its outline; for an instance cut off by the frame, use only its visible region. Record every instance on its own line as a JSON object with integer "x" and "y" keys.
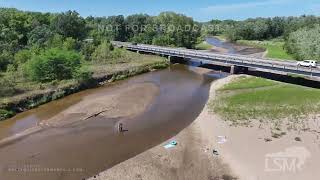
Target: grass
{"x": 204, "y": 46}
{"x": 221, "y": 37}
{"x": 248, "y": 83}
{"x": 249, "y": 101}
{"x": 135, "y": 61}
{"x": 275, "y": 48}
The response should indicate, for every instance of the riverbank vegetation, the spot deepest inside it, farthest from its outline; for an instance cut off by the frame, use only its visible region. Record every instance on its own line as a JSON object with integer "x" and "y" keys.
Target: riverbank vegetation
{"x": 203, "y": 46}
{"x": 25, "y": 94}
{"x": 300, "y": 35}
{"x": 304, "y": 43}
{"x": 251, "y": 98}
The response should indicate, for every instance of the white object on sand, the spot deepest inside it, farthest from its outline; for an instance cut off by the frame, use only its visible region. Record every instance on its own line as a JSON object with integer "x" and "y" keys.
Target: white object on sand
{"x": 222, "y": 139}
{"x": 171, "y": 145}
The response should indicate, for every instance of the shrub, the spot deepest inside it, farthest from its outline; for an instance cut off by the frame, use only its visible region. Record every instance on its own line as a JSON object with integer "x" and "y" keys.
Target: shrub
{"x": 83, "y": 74}
{"x": 103, "y": 52}
{"x": 118, "y": 53}
{"x": 5, "y": 60}
{"x": 7, "y": 87}
{"x": 4, "y": 114}
{"x": 53, "y": 64}
{"x": 22, "y": 57}
{"x": 70, "y": 44}
{"x": 87, "y": 50}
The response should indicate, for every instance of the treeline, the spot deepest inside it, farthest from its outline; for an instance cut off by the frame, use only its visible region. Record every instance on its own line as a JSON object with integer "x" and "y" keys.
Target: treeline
{"x": 300, "y": 34}
{"x": 44, "y": 47}
{"x": 168, "y": 29}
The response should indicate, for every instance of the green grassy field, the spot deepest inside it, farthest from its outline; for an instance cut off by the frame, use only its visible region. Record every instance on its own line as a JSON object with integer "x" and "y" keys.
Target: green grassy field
{"x": 248, "y": 83}
{"x": 274, "y": 47}
{"x": 203, "y": 46}
{"x": 249, "y": 98}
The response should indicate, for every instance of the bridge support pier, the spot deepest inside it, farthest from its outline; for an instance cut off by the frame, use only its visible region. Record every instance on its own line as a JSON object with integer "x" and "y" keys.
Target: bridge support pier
{"x": 138, "y": 52}
{"x": 238, "y": 69}
{"x": 233, "y": 69}
{"x": 175, "y": 59}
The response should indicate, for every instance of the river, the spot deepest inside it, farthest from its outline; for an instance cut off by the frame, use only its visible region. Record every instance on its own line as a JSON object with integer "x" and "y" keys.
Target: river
{"x": 232, "y": 48}
{"x": 221, "y": 44}
{"x": 165, "y": 102}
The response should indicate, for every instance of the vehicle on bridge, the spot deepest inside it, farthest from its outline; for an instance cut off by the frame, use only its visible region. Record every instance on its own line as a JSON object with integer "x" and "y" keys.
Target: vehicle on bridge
{"x": 307, "y": 63}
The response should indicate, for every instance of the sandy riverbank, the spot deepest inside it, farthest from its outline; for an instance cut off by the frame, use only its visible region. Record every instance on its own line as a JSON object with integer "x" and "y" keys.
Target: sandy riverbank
{"x": 122, "y": 103}
{"x": 225, "y": 47}
{"x": 220, "y": 50}
{"x": 246, "y": 155}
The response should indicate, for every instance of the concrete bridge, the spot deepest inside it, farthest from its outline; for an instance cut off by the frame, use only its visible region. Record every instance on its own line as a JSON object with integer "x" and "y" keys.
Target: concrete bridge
{"x": 236, "y": 62}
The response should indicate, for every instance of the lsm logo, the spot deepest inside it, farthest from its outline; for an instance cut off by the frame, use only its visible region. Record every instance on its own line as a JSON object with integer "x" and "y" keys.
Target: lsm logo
{"x": 291, "y": 160}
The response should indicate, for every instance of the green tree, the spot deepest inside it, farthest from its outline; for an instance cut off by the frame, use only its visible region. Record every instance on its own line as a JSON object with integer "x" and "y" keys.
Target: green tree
{"x": 163, "y": 40}
{"x": 53, "y": 64}
{"x": 177, "y": 29}
{"x": 116, "y": 28}
{"x": 70, "y": 24}
{"x": 40, "y": 36}
{"x": 137, "y": 24}
{"x": 17, "y": 22}
{"x": 305, "y": 43}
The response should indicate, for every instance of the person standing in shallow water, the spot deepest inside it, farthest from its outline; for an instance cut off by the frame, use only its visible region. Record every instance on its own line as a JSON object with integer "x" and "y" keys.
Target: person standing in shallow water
{"x": 120, "y": 128}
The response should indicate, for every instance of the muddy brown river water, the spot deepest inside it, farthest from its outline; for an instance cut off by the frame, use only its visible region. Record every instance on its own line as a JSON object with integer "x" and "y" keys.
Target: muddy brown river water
{"x": 153, "y": 107}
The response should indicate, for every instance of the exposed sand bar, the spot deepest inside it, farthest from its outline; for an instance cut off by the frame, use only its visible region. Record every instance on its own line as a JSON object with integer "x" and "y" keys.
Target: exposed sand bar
{"x": 122, "y": 103}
